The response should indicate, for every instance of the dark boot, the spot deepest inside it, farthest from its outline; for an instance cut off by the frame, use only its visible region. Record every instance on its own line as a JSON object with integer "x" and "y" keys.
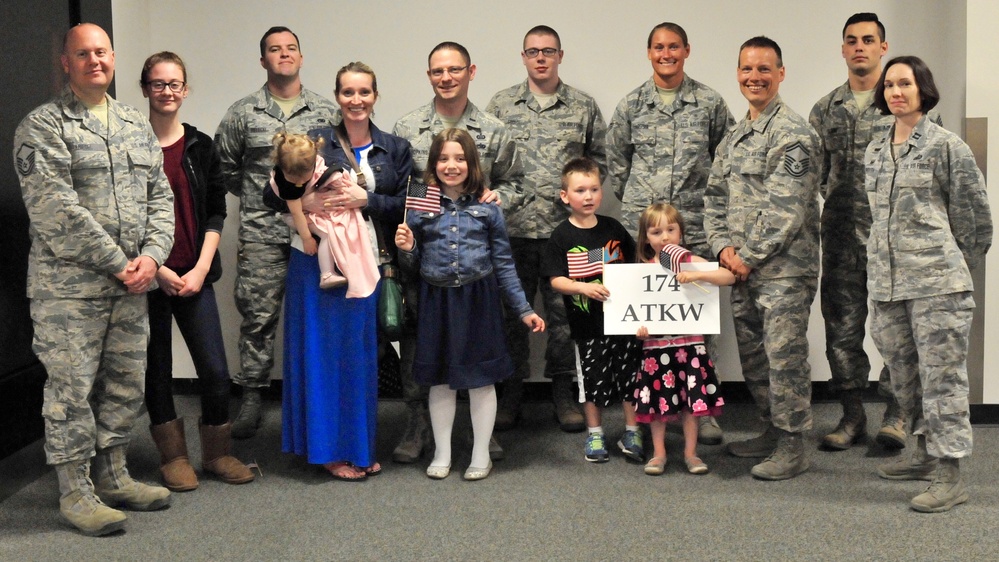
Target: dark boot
{"x": 417, "y": 437}
{"x": 787, "y": 461}
{"x": 116, "y": 487}
{"x": 216, "y": 457}
{"x": 248, "y": 419}
{"x": 852, "y": 426}
{"x": 178, "y": 474}
{"x": 508, "y": 409}
{"x": 565, "y": 396}
{"x": 946, "y": 491}
{"x": 80, "y": 507}
{"x": 892, "y": 434}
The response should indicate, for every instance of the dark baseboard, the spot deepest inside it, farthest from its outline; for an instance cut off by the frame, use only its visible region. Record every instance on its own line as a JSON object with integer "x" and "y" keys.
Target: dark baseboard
{"x": 735, "y": 393}
{"x": 21, "y": 408}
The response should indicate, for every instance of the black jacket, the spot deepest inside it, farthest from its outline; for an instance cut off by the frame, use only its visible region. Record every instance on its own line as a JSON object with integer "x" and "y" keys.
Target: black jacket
{"x": 204, "y": 173}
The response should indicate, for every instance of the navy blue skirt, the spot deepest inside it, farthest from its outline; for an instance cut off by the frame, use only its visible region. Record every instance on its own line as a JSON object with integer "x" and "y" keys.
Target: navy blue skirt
{"x": 459, "y": 338}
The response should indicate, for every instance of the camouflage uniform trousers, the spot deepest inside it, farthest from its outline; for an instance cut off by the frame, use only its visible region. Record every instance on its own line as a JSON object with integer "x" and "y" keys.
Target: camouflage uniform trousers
{"x": 94, "y": 351}
{"x": 260, "y": 280}
{"x": 560, "y": 357}
{"x": 843, "y": 294}
{"x": 413, "y": 393}
{"x": 925, "y": 342}
{"x": 771, "y": 320}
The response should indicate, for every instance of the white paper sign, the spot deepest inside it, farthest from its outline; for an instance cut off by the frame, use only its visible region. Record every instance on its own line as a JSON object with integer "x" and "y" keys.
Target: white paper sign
{"x": 645, "y": 294}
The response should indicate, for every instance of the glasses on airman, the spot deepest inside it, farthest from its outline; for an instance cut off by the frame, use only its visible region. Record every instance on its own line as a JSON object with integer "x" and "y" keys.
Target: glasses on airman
{"x": 452, "y": 70}
{"x": 158, "y": 86}
{"x": 548, "y": 52}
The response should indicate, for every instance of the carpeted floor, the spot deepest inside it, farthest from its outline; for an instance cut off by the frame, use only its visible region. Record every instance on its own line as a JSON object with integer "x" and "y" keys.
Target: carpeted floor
{"x": 544, "y": 502}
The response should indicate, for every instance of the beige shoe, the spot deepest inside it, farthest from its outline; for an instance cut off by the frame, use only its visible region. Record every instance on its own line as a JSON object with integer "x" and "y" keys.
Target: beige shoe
{"x": 438, "y": 472}
{"x": 478, "y": 473}
{"x": 656, "y": 466}
{"x": 331, "y": 281}
{"x": 78, "y": 505}
{"x": 946, "y": 491}
{"x": 116, "y": 488}
{"x": 695, "y": 465}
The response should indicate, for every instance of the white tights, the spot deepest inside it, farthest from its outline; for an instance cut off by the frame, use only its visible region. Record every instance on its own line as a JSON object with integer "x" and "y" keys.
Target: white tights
{"x": 482, "y": 406}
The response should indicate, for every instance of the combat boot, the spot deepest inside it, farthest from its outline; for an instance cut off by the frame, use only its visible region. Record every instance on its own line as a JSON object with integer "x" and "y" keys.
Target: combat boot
{"x": 78, "y": 505}
{"x": 757, "y": 447}
{"x": 216, "y": 455}
{"x": 417, "y": 437}
{"x": 853, "y": 425}
{"x": 708, "y": 431}
{"x": 892, "y": 433}
{"x": 787, "y": 461}
{"x": 508, "y": 409}
{"x": 178, "y": 474}
{"x": 248, "y": 419}
{"x": 116, "y": 488}
{"x": 946, "y": 491}
{"x": 919, "y": 466}
{"x": 565, "y": 398}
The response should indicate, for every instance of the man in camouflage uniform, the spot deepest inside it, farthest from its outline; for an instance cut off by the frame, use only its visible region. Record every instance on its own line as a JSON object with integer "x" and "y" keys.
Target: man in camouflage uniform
{"x": 552, "y": 123}
{"x": 761, "y": 217}
{"x": 244, "y": 142}
{"x": 450, "y": 72}
{"x": 101, "y": 213}
{"x": 661, "y": 142}
{"x": 847, "y": 121}
{"x": 931, "y": 226}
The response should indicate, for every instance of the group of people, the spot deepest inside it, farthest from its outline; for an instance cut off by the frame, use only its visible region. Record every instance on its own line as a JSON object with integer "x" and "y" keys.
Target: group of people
{"x": 126, "y": 216}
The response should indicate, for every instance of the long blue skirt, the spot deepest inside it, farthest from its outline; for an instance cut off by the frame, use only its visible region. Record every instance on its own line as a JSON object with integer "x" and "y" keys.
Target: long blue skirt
{"x": 330, "y": 402}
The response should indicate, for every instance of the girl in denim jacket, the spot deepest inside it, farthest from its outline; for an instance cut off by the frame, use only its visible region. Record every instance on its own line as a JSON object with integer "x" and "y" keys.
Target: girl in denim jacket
{"x": 465, "y": 264}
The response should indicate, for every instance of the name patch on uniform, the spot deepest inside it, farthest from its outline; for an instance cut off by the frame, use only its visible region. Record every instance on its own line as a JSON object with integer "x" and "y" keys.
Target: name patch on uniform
{"x": 25, "y": 159}
{"x": 796, "y": 160}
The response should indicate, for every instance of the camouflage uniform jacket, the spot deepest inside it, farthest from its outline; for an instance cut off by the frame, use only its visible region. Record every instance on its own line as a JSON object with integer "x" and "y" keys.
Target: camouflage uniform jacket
{"x": 846, "y": 130}
{"x": 501, "y": 164}
{"x": 762, "y": 197}
{"x": 95, "y": 200}
{"x": 244, "y": 142}
{"x": 546, "y": 139}
{"x": 932, "y": 223}
{"x": 659, "y": 153}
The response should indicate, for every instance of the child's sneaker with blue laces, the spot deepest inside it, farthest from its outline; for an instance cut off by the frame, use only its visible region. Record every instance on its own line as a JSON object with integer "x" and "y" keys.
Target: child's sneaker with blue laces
{"x": 631, "y": 446}
{"x": 595, "y": 449}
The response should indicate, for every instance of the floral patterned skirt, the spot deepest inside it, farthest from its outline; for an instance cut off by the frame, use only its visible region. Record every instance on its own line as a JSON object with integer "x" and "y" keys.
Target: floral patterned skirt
{"x": 676, "y": 375}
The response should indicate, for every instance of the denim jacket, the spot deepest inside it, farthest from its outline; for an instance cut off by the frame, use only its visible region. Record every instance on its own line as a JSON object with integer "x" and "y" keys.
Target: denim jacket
{"x": 463, "y": 243}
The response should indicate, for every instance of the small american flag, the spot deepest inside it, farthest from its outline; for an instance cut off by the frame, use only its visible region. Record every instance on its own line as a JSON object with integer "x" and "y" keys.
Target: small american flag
{"x": 422, "y": 197}
{"x": 672, "y": 256}
{"x": 585, "y": 264}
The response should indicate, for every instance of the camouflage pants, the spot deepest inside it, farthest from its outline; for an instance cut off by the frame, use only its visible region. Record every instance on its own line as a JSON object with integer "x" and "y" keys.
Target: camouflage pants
{"x": 771, "y": 320}
{"x": 560, "y": 357}
{"x": 260, "y": 277}
{"x": 94, "y": 351}
{"x": 843, "y": 294}
{"x": 925, "y": 342}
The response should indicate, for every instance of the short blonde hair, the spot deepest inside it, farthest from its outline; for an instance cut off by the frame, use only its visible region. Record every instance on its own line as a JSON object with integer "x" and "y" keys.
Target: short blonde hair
{"x": 296, "y": 154}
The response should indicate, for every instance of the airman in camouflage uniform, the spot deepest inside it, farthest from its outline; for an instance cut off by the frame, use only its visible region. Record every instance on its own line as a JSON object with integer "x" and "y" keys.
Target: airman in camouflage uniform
{"x": 551, "y": 123}
{"x": 244, "y": 142}
{"x": 846, "y": 121}
{"x": 450, "y": 71}
{"x": 761, "y": 217}
{"x": 662, "y": 152}
{"x": 101, "y": 214}
{"x": 931, "y": 227}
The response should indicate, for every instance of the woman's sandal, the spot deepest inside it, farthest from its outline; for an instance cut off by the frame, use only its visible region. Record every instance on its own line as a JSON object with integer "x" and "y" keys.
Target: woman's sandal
{"x": 373, "y": 470}
{"x": 695, "y": 465}
{"x": 345, "y": 471}
{"x": 655, "y": 466}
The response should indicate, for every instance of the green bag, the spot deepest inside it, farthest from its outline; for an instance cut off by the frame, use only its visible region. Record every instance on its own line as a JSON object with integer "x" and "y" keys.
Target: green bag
{"x": 390, "y": 304}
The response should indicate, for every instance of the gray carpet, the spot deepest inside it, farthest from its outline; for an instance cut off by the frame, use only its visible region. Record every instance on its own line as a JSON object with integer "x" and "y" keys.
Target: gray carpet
{"x": 544, "y": 502}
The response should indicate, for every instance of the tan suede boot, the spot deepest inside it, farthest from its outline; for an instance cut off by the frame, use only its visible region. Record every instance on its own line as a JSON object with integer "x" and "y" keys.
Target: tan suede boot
{"x": 216, "y": 457}
{"x": 852, "y": 427}
{"x": 946, "y": 491}
{"x": 178, "y": 474}
{"x": 80, "y": 507}
{"x": 116, "y": 488}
